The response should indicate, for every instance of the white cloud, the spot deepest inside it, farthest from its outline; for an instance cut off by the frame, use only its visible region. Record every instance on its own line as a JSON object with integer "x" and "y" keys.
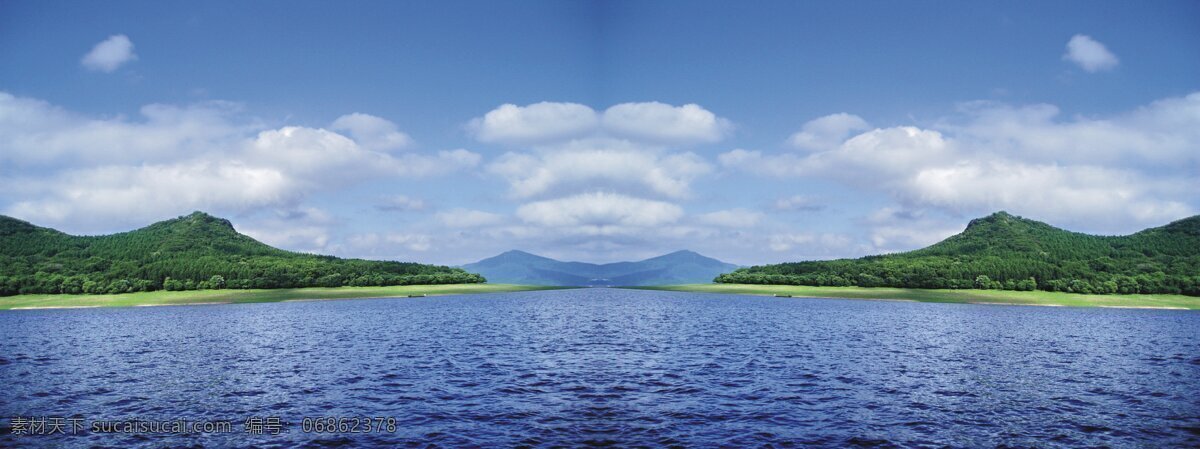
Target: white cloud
{"x": 732, "y": 218}
{"x": 1103, "y": 175}
{"x": 35, "y": 133}
{"x": 535, "y": 123}
{"x": 1103, "y": 198}
{"x": 1089, "y": 54}
{"x": 827, "y": 132}
{"x": 109, "y": 54}
{"x": 98, "y": 174}
{"x": 1162, "y": 134}
{"x": 575, "y": 152}
{"x": 308, "y": 152}
{"x": 649, "y": 122}
{"x": 371, "y": 132}
{"x": 1097, "y": 198}
{"x": 663, "y": 123}
{"x": 317, "y": 154}
{"x": 599, "y": 210}
{"x": 600, "y": 164}
{"x": 467, "y": 218}
{"x": 891, "y": 151}
{"x": 140, "y": 194}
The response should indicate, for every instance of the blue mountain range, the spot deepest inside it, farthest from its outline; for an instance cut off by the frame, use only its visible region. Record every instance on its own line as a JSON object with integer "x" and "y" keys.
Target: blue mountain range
{"x": 680, "y": 267}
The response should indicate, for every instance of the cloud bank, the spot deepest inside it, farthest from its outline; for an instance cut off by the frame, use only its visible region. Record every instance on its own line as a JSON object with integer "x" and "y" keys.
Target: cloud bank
{"x": 633, "y": 180}
{"x": 102, "y": 174}
{"x": 1104, "y": 175}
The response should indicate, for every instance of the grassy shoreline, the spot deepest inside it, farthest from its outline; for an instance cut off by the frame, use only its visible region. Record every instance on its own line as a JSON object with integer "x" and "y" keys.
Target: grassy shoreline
{"x": 1033, "y": 298}
{"x": 195, "y": 297}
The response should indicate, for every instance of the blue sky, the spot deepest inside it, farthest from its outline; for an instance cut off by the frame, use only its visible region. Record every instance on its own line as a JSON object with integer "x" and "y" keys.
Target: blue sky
{"x": 750, "y": 131}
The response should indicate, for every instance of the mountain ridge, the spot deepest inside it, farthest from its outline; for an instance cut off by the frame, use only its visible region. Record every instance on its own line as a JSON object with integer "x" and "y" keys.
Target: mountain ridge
{"x": 678, "y": 267}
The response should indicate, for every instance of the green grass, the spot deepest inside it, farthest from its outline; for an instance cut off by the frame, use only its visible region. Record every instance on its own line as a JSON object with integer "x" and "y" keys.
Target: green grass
{"x": 163, "y": 298}
{"x": 275, "y": 295}
{"x": 1034, "y": 298}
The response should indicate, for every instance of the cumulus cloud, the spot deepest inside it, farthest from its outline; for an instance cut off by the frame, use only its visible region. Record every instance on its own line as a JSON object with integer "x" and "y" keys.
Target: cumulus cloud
{"x": 827, "y": 132}
{"x": 371, "y": 132}
{"x": 892, "y": 151}
{"x": 35, "y": 133}
{"x": 321, "y": 155}
{"x": 109, "y": 54}
{"x": 574, "y": 151}
{"x": 1089, "y": 54}
{"x": 650, "y": 122}
{"x": 1161, "y": 134}
{"x": 664, "y": 123}
{"x": 97, "y": 174}
{"x": 1101, "y": 197}
{"x": 1135, "y": 170}
{"x": 601, "y": 182}
{"x": 143, "y": 193}
{"x": 600, "y": 163}
{"x": 535, "y": 123}
{"x": 599, "y": 210}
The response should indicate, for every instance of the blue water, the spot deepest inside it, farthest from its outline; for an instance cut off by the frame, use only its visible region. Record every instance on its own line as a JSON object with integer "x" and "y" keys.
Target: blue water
{"x": 614, "y": 367}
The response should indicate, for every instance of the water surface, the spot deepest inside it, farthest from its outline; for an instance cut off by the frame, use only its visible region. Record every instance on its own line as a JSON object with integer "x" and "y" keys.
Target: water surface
{"x": 614, "y": 367}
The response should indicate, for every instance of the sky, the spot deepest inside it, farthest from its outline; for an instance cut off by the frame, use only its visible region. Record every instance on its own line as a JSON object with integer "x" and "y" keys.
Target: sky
{"x": 447, "y": 132}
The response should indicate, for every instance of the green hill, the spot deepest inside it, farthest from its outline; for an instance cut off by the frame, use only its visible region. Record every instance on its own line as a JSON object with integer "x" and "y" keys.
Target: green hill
{"x": 1002, "y": 251}
{"x": 197, "y": 251}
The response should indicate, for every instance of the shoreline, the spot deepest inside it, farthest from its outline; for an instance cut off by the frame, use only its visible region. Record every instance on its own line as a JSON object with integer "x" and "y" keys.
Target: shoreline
{"x": 220, "y": 297}
{"x": 978, "y": 297}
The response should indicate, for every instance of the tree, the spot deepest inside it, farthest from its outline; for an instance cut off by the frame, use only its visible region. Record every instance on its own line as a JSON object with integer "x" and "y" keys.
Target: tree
{"x": 983, "y": 282}
{"x": 1026, "y": 285}
{"x": 172, "y": 284}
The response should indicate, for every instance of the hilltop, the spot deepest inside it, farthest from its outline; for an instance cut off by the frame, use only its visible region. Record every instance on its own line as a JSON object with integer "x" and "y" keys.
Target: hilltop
{"x": 1004, "y": 251}
{"x": 519, "y": 267}
{"x": 196, "y": 251}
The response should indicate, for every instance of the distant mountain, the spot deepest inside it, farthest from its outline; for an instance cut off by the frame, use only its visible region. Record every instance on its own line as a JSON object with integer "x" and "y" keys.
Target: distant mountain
{"x": 680, "y": 267}
{"x": 1003, "y": 251}
{"x": 196, "y": 251}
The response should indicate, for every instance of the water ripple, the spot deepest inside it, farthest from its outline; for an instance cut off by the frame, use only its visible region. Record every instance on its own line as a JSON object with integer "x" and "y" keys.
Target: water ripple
{"x": 615, "y": 368}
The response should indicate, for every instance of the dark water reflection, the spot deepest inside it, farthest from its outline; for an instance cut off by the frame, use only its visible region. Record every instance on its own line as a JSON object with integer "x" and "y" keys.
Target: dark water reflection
{"x": 615, "y": 367}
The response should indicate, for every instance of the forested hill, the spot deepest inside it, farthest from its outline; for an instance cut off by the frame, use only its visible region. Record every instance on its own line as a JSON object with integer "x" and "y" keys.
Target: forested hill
{"x": 1002, "y": 251}
{"x": 197, "y": 251}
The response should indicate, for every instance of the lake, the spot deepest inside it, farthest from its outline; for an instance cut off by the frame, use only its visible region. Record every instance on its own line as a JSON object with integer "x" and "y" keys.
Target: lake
{"x": 608, "y": 367}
